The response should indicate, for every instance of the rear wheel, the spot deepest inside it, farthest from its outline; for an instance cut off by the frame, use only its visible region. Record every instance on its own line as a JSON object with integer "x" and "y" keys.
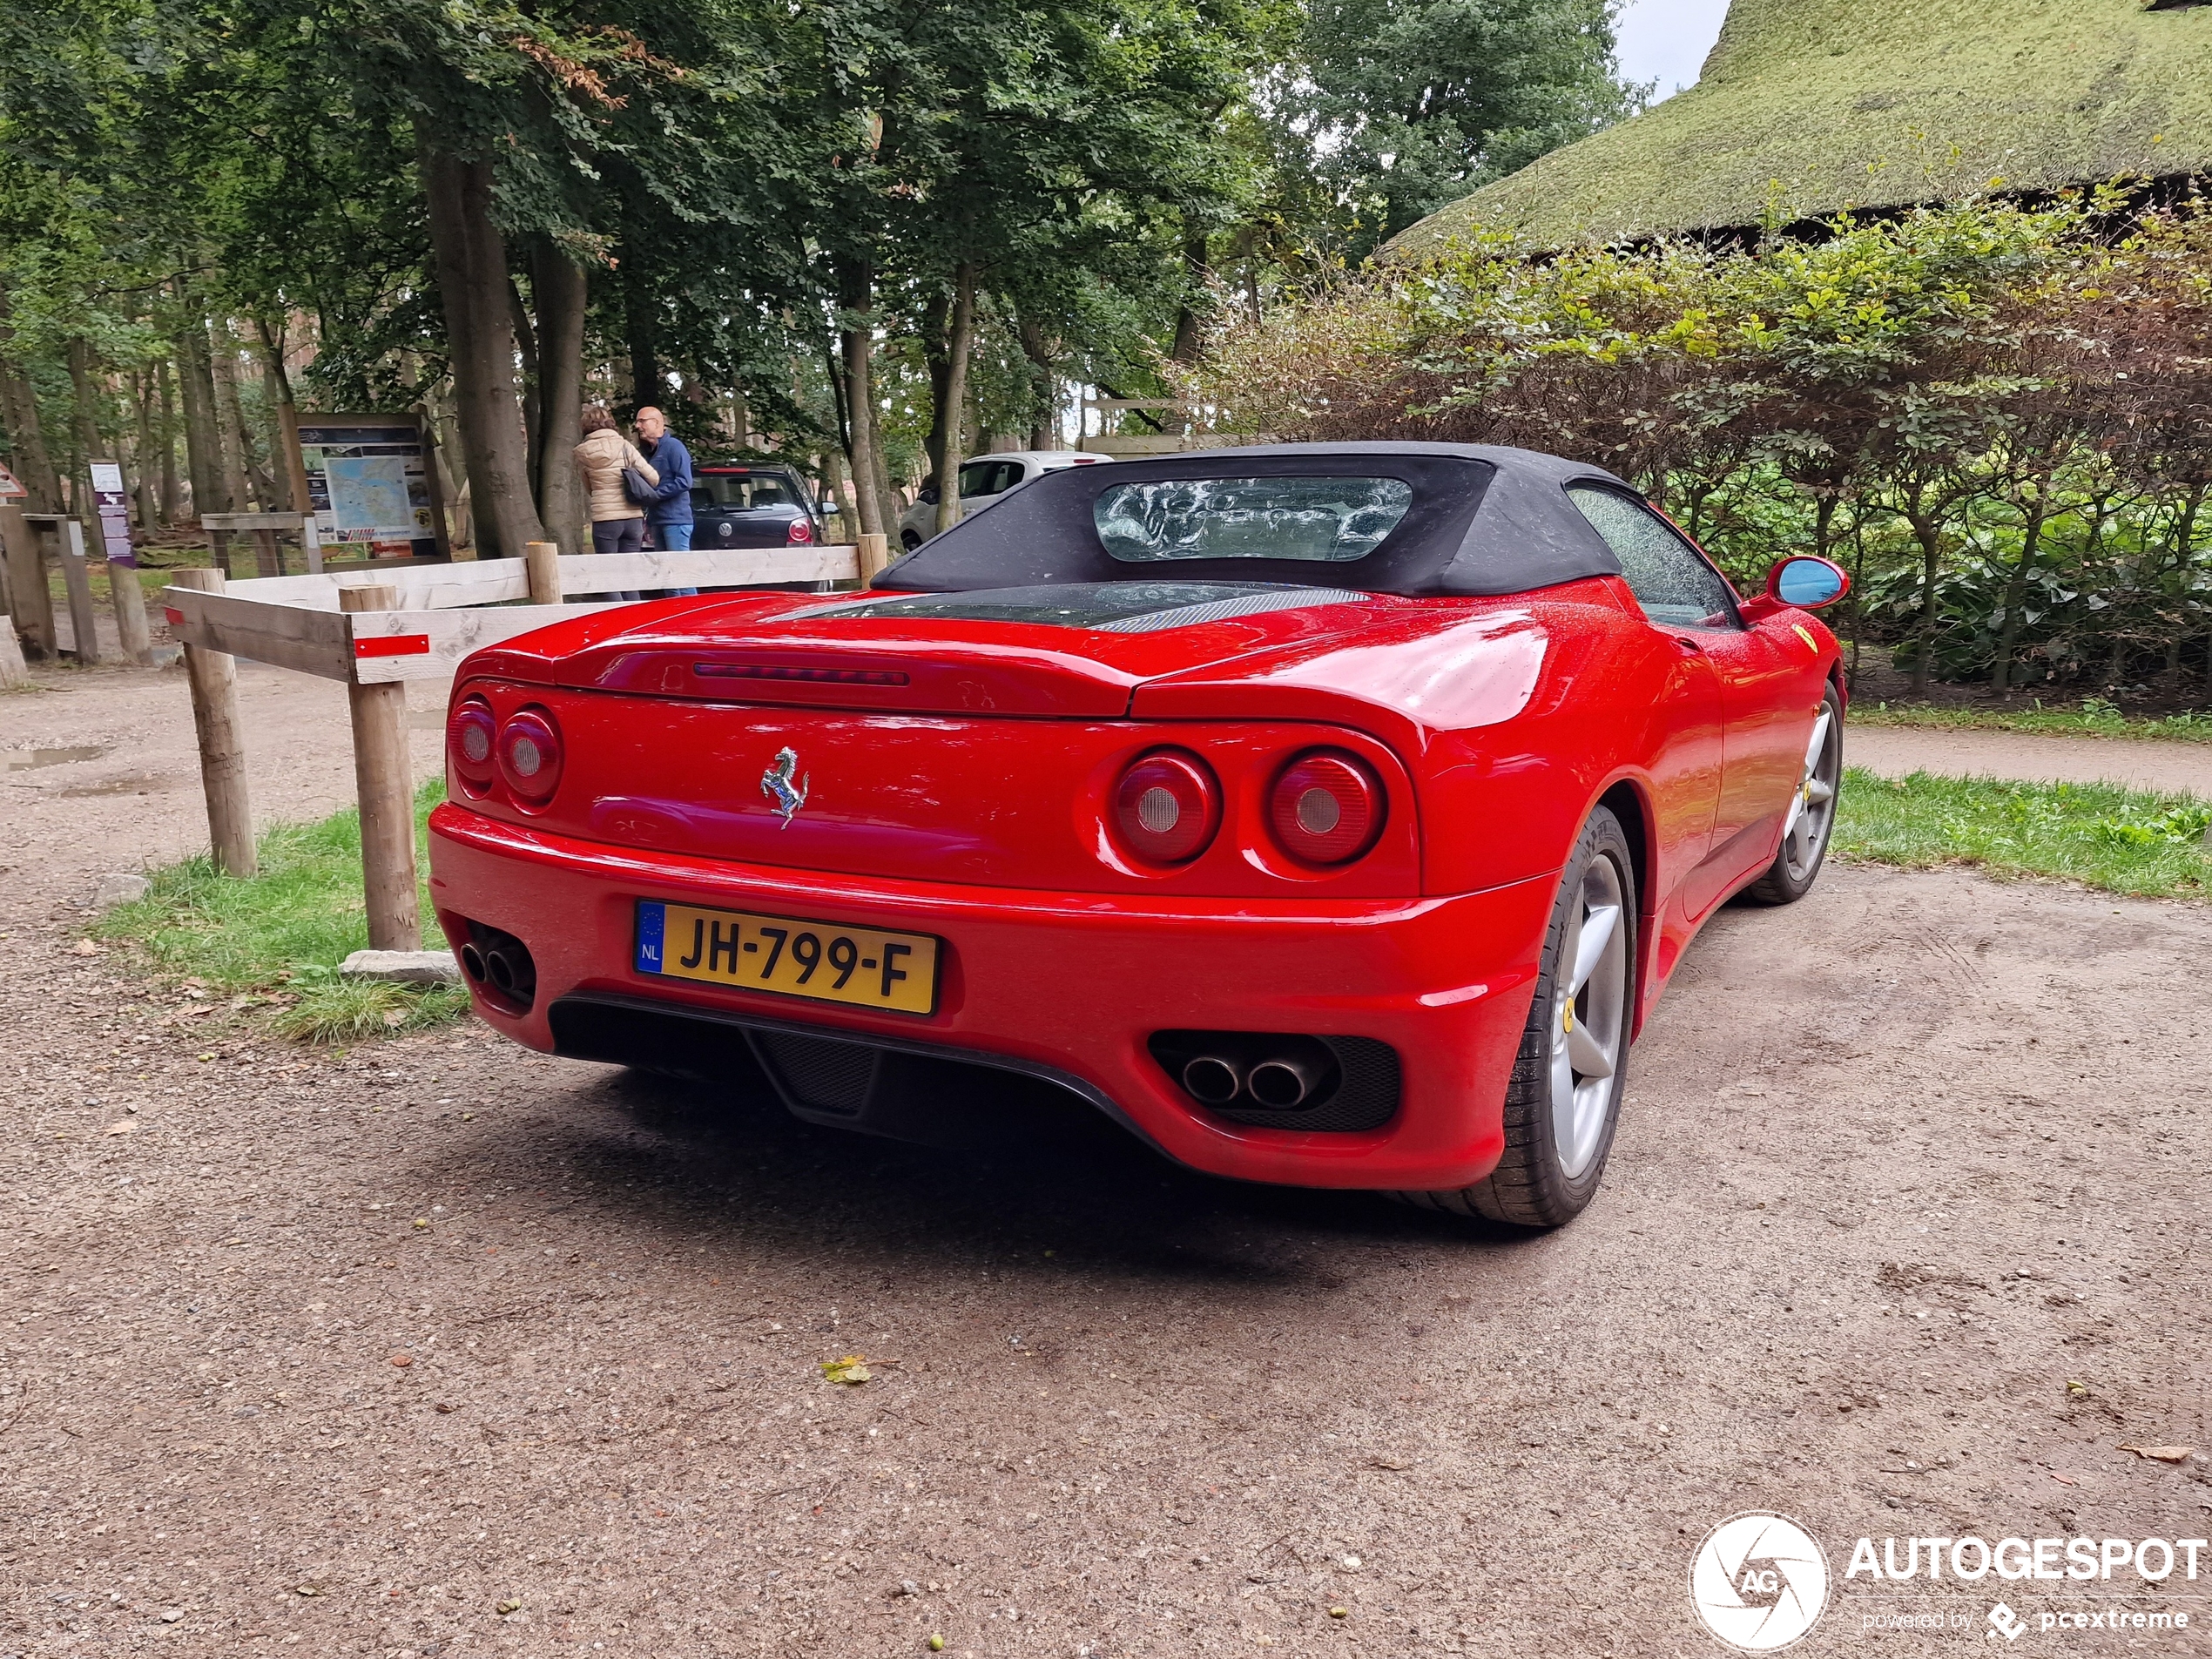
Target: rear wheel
{"x": 1812, "y": 812}
{"x": 909, "y": 540}
{"x": 1565, "y": 1094}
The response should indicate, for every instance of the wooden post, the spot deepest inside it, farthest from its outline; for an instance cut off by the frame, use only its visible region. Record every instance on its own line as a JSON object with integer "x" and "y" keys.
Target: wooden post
{"x": 129, "y": 596}
{"x": 12, "y": 671}
{"x": 542, "y": 560}
{"x": 875, "y": 556}
{"x": 77, "y": 577}
{"x": 218, "y": 548}
{"x": 34, "y": 606}
{"x": 387, "y": 791}
{"x": 214, "y": 677}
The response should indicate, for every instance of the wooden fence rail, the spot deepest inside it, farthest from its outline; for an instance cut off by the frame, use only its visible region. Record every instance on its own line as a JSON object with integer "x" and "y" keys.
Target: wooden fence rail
{"x": 372, "y": 628}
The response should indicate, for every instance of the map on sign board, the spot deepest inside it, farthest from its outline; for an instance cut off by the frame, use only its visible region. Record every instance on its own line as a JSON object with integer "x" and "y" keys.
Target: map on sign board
{"x": 370, "y": 492}
{"x": 10, "y": 487}
{"x": 369, "y": 483}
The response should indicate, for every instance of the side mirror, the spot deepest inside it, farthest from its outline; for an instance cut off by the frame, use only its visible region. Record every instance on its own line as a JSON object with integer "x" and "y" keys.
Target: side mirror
{"x": 928, "y": 494}
{"x": 1804, "y": 583}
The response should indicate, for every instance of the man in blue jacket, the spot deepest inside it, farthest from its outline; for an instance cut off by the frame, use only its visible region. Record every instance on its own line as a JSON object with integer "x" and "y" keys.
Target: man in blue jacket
{"x": 669, "y": 518}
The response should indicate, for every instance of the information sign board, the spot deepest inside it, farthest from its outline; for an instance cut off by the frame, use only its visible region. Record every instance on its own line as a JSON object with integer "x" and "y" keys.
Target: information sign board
{"x": 372, "y": 483}
{"x": 113, "y": 505}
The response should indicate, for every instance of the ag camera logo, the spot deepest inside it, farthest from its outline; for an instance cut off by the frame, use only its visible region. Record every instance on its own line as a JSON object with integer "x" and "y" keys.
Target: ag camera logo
{"x": 1758, "y": 1582}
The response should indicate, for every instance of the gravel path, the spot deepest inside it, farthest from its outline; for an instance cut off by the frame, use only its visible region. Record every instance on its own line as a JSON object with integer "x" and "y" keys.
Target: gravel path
{"x": 349, "y": 1353}
{"x": 2175, "y": 768}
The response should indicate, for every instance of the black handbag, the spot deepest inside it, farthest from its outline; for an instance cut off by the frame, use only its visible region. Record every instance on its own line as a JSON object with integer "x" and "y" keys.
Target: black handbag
{"x": 635, "y": 490}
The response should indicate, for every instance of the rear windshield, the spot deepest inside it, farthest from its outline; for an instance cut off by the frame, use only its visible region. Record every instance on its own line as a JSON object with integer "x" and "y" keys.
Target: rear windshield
{"x": 743, "y": 489}
{"x": 1323, "y": 520}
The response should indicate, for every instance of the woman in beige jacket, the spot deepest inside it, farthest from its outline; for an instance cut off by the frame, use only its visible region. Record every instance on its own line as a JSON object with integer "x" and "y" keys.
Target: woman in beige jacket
{"x": 617, "y": 522}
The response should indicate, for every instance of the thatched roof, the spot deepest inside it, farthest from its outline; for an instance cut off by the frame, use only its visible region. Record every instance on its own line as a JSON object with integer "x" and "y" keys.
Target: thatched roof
{"x": 1822, "y": 105}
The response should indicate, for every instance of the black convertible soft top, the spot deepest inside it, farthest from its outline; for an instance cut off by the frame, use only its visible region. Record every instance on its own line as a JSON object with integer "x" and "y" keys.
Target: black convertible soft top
{"x": 1483, "y": 520}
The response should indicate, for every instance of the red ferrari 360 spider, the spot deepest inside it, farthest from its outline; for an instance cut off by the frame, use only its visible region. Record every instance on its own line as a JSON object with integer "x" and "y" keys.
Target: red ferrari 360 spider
{"x": 1327, "y": 814}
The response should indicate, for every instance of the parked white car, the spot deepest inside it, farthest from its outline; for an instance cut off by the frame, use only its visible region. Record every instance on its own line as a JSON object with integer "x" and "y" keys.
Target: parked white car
{"x": 987, "y": 476}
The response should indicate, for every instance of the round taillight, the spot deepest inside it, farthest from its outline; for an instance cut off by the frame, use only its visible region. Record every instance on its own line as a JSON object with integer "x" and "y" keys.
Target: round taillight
{"x": 529, "y": 754}
{"x": 1167, "y": 807}
{"x": 471, "y": 733}
{"x": 799, "y": 534}
{"x": 1327, "y": 807}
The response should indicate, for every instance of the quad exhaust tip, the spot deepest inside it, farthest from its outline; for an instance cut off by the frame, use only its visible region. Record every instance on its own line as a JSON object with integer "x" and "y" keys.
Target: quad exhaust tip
{"x": 1281, "y": 1082}
{"x": 1272, "y": 1077}
{"x": 1213, "y": 1080}
{"x": 502, "y": 964}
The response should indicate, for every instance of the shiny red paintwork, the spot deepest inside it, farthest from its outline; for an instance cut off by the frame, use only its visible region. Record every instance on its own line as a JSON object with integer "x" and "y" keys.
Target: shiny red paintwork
{"x": 960, "y": 778}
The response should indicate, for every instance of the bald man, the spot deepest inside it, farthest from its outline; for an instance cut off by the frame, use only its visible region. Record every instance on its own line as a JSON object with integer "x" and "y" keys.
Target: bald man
{"x": 669, "y": 519}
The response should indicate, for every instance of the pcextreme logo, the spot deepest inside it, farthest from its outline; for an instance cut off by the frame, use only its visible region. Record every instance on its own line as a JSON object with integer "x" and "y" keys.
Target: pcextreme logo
{"x": 1758, "y": 1582}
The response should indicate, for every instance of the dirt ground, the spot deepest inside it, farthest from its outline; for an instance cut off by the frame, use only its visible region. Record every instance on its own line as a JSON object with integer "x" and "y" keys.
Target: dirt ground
{"x": 345, "y": 1354}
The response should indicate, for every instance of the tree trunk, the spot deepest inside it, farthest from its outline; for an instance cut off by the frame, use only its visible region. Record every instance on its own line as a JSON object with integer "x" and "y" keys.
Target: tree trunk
{"x": 19, "y": 408}
{"x": 559, "y": 284}
{"x": 84, "y": 434}
{"x": 2008, "y": 631}
{"x": 1040, "y": 384}
{"x": 230, "y": 419}
{"x": 142, "y": 461}
{"x": 203, "y": 449}
{"x": 888, "y": 502}
{"x": 959, "y": 342}
{"x": 1189, "y": 331}
{"x": 1924, "y": 531}
{"x": 480, "y": 332}
{"x": 173, "y": 499}
{"x": 858, "y": 340}
{"x": 533, "y": 387}
{"x": 291, "y": 465}
{"x": 34, "y": 465}
{"x": 930, "y": 326}
{"x": 647, "y": 385}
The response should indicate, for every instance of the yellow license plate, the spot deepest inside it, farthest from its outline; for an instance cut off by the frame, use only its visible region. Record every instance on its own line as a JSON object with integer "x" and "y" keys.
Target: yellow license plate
{"x": 825, "y": 961}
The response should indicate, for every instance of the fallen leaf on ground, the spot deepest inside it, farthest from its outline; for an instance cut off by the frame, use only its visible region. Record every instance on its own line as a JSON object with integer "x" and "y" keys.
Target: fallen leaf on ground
{"x": 1389, "y": 1462}
{"x": 1339, "y": 1612}
{"x": 853, "y": 1369}
{"x": 86, "y": 948}
{"x": 443, "y": 1407}
{"x": 394, "y": 1018}
{"x": 2162, "y": 1453}
{"x": 402, "y": 1360}
{"x": 510, "y": 1607}
{"x": 121, "y": 1129}
{"x": 2063, "y": 1480}
{"x": 306, "y": 1589}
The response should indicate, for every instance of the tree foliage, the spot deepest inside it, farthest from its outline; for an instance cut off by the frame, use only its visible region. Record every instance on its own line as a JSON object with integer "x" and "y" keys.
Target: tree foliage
{"x": 1989, "y": 410}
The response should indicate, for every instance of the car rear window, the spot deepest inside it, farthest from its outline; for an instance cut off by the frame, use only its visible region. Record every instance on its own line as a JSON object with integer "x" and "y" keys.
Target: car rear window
{"x": 743, "y": 489}
{"x": 1318, "y": 519}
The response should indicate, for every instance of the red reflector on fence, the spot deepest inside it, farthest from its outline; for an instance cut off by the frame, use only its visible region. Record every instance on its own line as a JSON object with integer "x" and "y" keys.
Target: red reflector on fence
{"x": 393, "y": 645}
{"x": 176, "y": 617}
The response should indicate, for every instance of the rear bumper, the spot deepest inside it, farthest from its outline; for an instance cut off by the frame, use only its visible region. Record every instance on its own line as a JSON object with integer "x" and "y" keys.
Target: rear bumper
{"x": 1072, "y": 986}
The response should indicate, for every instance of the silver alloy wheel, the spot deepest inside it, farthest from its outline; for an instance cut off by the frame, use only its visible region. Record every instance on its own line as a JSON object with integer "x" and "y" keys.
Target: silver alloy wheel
{"x": 1589, "y": 1016}
{"x": 1812, "y": 812}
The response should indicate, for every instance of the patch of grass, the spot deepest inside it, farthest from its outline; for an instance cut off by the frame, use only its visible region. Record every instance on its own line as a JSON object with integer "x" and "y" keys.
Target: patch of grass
{"x": 2092, "y": 717}
{"x": 2122, "y": 841}
{"x": 273, "y": 941}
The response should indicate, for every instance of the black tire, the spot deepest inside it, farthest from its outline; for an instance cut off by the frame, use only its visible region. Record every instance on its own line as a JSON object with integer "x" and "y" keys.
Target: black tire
{"x": 1794, "y": 870}
{"x": 908, "y": 540}
{"x": 1530, "y": 1187}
